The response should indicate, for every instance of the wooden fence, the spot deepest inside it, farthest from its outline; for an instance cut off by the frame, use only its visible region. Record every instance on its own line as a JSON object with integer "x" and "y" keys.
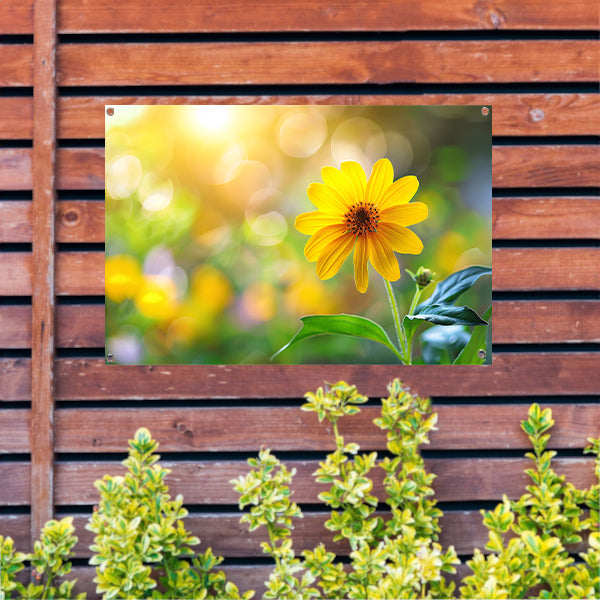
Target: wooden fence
{"x": 65, "y": 416}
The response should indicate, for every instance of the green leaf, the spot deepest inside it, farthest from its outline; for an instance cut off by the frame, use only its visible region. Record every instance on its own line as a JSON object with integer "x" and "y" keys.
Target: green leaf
{"x": 453, "y": 286}
{"x": 446, "y": 314}
{"x": 470, "y": 353}
{"x": 352, "y": 325}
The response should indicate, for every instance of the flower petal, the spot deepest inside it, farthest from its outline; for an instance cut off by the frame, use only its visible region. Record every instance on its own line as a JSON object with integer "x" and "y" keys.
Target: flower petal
{"x": 382, "y": 257}
{"x": 356, "y": 174}
{"x": 311, "y": 222}
{"x": 400, "y": 192}
{"x": 333, "y": 256}
{"x": 361, "y": 256}
{"x": 321, "y": 239}
{"x": 338, "y": 181}
{"x": 400, "y": 238}
{"x": 381, "y": 178}
{"x": 404, "y": 214}
{"x": 326, "y": 198}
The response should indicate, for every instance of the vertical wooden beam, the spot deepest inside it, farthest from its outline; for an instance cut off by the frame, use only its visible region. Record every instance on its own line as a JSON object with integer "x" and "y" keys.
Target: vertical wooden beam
{"x": 42, "y": 343}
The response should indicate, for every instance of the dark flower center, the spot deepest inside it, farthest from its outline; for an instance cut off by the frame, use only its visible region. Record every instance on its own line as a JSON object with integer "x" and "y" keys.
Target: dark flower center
{"x": 361, "y": 218}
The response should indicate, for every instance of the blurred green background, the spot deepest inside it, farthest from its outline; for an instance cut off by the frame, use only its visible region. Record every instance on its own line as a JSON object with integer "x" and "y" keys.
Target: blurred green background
{"x": 203, "y": 263}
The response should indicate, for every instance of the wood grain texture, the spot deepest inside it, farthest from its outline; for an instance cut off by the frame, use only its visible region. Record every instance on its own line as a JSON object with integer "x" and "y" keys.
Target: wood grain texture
{"x": 515, "y": 322}
{"x": 557, "y": 373}
{"x": 208, "y": 482}
{"x": 297, "y": 15}
{"x": 75, "y": 221}
{"x": 545, "y": 218}
{"x": 513, "y": 114}
{"x": 539, "y": 269}
{"x": 15, "y": 221}
{"x": 541, "y": 321}
{"x": 77, "y": 326}
{"x": 15, "y": 169}
{"x": 78, "y": 221}
{"x": 15, "y": 428}
{"x": 16, "y": 483}
{"x": 553, "y": 166}
{"x": 16, "y": 118}
{"x": 290, "y": 429}
{"x": 43, "y": 265}
{"x": 272, "y": 63}
{"x": 76, "y": 16}
{"x": 16, "y": 65}
{"x": 516, "y": 374}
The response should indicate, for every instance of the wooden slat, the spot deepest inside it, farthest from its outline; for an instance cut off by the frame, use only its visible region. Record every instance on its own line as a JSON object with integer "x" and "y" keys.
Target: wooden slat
{"x": 513, "y": 114}
{"x": 538, "y": 269}
{"x": 15, "y": 221}
{"x": 229, "y": 538}
{"x": 16, "y": 65}
{"x": 302, "y": 15}
{"x": 545, "y": 218}
{"x": 223, "y": 63}
{"x": 16, "y": 274}
{"x": 76, "y": 221}
{"x": 512, "y": 218}
{"x": 543, "y": 166}
{"x": 513, "y": 166}
{"x": 16, "y": 118}
{"x": 16, "y": 483}
{"x": 77, "y": 326}
{"x": 15, "y": 433}
{"x": 16, "y": 16}
{"x": 43, "y": 272}
{"x": 80, "y": 221}
{"x": 517, "y": 374}
{"x": 15, "y": 169}
{"x": 530, "y": 374}
{"x": 290, "y": 429}
{"x": 458, "y": 479}
{"x": 539, "y": 321}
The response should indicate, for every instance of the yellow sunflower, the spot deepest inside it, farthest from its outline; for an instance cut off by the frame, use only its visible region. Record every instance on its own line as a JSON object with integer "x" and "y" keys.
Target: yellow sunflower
{"x": 369, "y": 216}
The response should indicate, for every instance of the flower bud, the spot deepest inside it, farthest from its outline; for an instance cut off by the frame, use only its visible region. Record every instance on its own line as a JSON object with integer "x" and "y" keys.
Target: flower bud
{"x": 423, "y": 277}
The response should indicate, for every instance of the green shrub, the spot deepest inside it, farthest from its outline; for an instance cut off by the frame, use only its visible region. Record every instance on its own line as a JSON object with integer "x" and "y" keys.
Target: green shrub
{"x": 400, "y": 557}
{"x": 49, "y": 561}
{"x": 141, "y": 548}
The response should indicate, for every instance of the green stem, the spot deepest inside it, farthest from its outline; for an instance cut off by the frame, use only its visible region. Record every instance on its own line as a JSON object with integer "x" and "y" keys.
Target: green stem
{"x": 400, "y": 333}
{"x": 413, "y": 305}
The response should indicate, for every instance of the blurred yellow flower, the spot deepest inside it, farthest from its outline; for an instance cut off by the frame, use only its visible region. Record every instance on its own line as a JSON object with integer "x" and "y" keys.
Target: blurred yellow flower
{"x": 211, "y": 290}
{"x": 156, "y": 297}
{"x": 369, "y": 216}
{"x": 122, "y": 277}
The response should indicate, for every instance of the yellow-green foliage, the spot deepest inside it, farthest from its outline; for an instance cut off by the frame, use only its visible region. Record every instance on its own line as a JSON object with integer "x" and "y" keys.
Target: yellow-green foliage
{"x": 399, "y": 557}
{"x": 141, "y": 548}
{"x": 50, "y": 561}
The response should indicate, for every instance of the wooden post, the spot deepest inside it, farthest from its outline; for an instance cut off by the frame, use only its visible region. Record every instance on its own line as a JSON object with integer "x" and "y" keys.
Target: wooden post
{"x": 42, "y": 353}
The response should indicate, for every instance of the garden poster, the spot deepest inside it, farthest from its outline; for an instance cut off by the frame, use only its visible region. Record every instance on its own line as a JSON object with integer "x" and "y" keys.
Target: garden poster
{"x": 261, "y": 234}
